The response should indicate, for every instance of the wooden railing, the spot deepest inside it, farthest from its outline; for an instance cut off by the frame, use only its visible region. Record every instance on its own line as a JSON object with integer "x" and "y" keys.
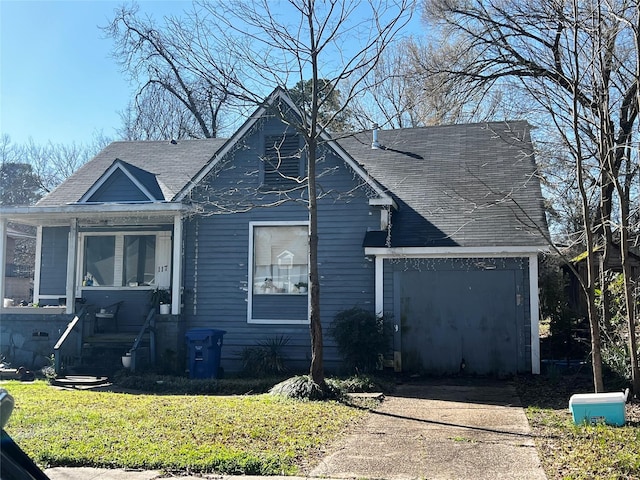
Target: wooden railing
{"x": 149, "y": 324}
{"x": 58, "y": 350}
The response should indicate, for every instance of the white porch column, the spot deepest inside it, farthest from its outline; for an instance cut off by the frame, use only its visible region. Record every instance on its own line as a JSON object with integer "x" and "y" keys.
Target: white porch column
{"x": 379, "y": 286}
{"x": 72, "y": 255}
{"x": 3, "y": 256}
{"x": 176, "y": 271}
{"x": 535, "y": 314}
{"x": 38, "y": 266}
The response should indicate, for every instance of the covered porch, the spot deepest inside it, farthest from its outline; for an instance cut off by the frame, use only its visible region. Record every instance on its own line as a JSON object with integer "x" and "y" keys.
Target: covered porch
{"x": 101, "y": 252}
{"x": 105, "y": 268}
{"x": 32, "y": 337}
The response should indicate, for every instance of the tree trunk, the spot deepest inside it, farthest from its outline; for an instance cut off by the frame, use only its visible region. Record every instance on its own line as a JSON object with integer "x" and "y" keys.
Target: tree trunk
{"x": 315, "y": 325}
{"x": 631, "y": 323}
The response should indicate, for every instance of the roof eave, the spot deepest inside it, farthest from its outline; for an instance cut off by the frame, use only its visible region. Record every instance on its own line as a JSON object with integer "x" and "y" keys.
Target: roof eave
{"x": 457, "y": 251}
{"x": 384, "y": 201}
{"x": 49, "y": 215}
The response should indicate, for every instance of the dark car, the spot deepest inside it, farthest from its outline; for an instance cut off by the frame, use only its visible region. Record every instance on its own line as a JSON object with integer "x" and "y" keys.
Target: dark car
{"x": 14, "y": 463}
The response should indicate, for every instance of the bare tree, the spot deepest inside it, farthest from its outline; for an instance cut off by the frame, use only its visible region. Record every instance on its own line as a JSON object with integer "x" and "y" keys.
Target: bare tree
{"x": 156, "y": 114}
{"x": 170, "y": 78}
{"x": 323, "y": 48}
{"x": 578, "y": 61}
{"x": 400, "y": 95}
{"x": 52, "y": 163}
{"x": 9, "y": 151}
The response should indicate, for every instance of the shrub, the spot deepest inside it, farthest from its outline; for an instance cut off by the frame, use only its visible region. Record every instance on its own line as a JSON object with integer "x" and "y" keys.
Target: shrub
{"x": 266, "y": 357}
{"x": 361, "y": 337}
{"x": 363, "y": 383}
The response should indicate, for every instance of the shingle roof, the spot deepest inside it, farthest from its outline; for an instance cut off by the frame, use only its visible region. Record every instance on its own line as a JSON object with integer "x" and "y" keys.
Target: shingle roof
{"x": 457, "y": 185}
{"x": 174, "y": 165}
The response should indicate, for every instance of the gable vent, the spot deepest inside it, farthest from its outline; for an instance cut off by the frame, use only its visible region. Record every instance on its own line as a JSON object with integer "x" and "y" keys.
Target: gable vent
{"x": 281, "y": 160}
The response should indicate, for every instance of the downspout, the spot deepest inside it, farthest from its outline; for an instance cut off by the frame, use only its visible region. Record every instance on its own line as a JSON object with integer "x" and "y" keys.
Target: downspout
{"x": 176, "y": 272}
{"x": 534, "y": 304}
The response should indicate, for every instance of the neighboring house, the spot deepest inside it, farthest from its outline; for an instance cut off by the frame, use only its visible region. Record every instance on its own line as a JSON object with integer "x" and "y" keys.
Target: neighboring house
{"x": 18, "y": 277}
{"x": 578, "y": 269}
{"x": 438, "y": 228}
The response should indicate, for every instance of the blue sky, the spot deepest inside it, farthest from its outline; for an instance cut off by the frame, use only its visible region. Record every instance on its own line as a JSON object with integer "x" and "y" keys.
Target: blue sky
{"x": 57, "y": 80}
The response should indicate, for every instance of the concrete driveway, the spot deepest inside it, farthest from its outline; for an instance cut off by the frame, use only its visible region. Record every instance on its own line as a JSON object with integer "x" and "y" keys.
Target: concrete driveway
{"x": 448, "y": 429}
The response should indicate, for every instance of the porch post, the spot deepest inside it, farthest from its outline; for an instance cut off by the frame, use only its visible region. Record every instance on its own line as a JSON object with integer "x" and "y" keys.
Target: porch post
{"x": 38, "y": 266}
{"x": 72, "y": 255}
{"x": 3, "y": 256}
{"x": 534, "y": 303}
{"x": 379, "y": 285}
{"x": 176, "y": 271}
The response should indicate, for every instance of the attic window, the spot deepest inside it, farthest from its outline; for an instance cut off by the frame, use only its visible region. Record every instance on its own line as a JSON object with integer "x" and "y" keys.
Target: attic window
{"x": 282, "y": 162}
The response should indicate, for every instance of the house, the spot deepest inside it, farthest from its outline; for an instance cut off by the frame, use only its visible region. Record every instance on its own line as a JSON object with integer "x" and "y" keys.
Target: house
{"x": 17, "y": 275}
{"x": 438, "y": 228}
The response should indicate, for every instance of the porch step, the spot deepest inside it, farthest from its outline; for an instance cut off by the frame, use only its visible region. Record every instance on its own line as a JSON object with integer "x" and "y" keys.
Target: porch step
{"x": 80, "y": 382}
{"x": 102, "y": 353}
{"x": 112, "y": 339}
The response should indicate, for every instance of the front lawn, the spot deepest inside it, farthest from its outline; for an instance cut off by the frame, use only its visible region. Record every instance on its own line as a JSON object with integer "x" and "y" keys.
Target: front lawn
{"x": 254, "y": 435}
{"x": 265, "y": 435}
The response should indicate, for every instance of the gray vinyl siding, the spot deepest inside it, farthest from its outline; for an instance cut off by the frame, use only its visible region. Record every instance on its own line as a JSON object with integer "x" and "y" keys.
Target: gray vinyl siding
{"x": 217, "y": 260}
{"x": 118, "y": 188}
{"x": 53, "y": 262}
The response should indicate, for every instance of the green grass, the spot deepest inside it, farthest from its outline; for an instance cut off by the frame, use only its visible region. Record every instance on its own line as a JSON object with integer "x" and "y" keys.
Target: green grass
{"x": 265, "y": 435}
{"x": 253, "y": 435}
{"x": 584, "y": 452}
{"x": 572, "y": 452}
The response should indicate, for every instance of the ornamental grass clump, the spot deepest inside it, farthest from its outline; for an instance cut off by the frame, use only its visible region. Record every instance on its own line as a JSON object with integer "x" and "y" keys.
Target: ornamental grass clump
{"x": 267, "y": 357}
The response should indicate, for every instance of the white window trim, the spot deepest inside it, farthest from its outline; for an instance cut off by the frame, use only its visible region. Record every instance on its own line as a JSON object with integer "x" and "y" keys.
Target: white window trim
{"x": 119, "y": 240}
{"x": 250, "y": 319}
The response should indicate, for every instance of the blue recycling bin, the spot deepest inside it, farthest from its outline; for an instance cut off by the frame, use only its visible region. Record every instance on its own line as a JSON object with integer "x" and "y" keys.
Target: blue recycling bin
{"x": 203, "y": 347}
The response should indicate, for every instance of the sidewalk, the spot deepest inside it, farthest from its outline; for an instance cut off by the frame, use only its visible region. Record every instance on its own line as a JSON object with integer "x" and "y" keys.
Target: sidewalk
{"x": 434, "y": 430}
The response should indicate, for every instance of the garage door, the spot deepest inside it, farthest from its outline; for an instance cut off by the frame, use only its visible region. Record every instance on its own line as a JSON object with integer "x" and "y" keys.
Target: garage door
{"x": 451, "y": 315}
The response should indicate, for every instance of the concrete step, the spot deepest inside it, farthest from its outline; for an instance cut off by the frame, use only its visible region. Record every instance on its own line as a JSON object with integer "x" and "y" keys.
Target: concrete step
{"x": 107, "y": 339}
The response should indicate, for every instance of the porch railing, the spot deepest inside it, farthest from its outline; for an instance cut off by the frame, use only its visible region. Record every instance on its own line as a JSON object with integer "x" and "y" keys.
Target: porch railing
{"x": 64, "y": 355}
{"x": 149, "y": 324}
